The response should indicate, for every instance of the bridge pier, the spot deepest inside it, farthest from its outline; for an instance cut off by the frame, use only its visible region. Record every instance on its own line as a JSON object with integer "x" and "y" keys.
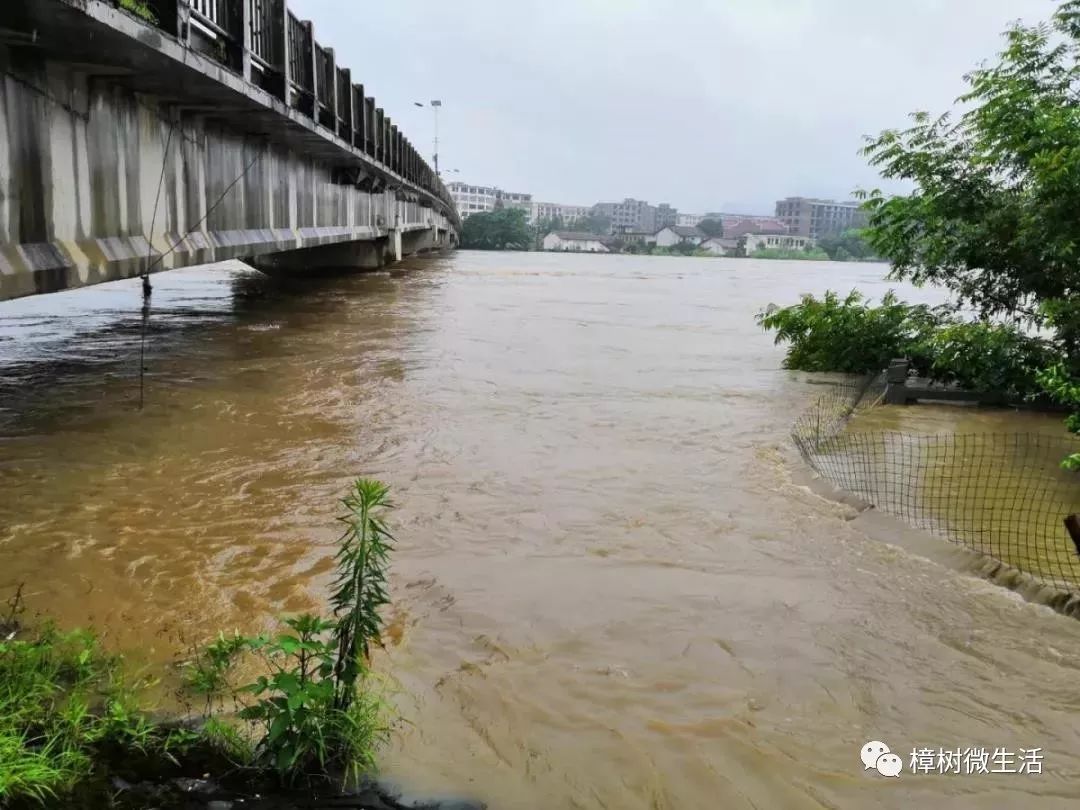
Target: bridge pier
{"x": 369, "y": 254}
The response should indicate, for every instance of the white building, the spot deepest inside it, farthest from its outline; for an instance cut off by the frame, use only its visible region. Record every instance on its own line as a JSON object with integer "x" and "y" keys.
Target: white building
{"x": 568, "y": 240}
{"x": 567, "y": 213}
{"x": 720, "y": 246}
{"x": 689, "y": 220}
{"x": 676, "y": 234}
{"x": 474, "y": 199}
{"x": 776, "y": 241}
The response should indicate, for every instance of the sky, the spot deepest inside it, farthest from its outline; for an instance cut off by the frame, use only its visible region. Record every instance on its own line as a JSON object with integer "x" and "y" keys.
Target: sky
{"x": 709, "y": 105}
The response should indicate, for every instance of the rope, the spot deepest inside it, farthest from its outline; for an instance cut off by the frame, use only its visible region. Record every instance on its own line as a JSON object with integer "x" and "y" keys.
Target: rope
{"x": 150, "y": 267}
{"x": 146, "y": 288}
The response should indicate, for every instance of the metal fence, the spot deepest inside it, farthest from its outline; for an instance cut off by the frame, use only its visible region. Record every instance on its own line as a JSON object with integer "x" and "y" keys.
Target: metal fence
{"x": 1002, "y": 495}
{"x": 270, "y": 47}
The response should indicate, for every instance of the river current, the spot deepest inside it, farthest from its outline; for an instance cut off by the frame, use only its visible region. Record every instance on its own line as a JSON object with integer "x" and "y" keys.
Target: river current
{"x": 612, "y": 587}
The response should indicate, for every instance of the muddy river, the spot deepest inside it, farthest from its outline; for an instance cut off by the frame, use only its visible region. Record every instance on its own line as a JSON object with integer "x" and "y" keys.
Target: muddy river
{"x": 612, "y": 589}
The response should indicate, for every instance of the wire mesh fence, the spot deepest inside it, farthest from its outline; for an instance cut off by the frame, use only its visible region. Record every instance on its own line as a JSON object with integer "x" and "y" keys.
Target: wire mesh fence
{"x": 1003, "y": 495}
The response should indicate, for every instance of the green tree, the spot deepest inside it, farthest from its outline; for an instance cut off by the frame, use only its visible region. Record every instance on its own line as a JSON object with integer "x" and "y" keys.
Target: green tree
{"x": 504, "y": 229}
{"x": 711, "y": 227}
{"x": 994, "y": 214}
{"x": 846, "y": 246}
{"x": 593, "y": 223}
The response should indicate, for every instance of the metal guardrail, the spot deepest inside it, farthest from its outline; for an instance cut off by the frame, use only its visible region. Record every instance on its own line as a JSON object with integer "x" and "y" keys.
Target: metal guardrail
{"x": 271, "y": 48}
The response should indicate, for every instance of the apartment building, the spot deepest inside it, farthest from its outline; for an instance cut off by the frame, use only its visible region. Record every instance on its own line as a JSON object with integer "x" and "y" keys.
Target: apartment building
{"x": 567, "y": 213}
{"x": 807, "y": 216}
{"x": 628, "y": 215}
{"x": 471, "y": 199}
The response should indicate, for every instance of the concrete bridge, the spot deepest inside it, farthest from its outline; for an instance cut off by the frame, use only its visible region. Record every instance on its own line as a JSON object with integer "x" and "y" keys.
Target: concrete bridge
{"x": 142, "y": 135}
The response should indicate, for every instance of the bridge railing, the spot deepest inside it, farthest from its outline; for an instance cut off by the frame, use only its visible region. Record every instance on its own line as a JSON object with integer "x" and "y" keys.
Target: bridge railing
{"x": 270, "y": 47}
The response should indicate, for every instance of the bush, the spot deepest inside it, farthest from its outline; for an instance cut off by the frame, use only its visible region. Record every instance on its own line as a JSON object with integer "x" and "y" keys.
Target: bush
{"x": 850, "y": 335}
{"x": 847, "y": 335}
{"x": 982, "y": 356}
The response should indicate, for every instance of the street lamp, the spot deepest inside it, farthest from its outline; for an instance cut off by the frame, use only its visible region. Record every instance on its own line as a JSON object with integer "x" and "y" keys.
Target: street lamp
{"x": 435, "y": 104}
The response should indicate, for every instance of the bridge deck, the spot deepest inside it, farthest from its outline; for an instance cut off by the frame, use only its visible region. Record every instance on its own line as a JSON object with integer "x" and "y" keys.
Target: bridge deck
{"x": 65, "y": 62}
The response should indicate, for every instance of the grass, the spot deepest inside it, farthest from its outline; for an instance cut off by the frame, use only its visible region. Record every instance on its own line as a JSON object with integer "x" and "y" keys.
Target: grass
{"x": 140, "y": 9}
{"x": 71, "y": 717}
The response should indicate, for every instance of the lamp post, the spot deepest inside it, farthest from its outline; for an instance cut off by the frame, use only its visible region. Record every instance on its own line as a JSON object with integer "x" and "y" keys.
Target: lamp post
{"x": 434, "y": 104}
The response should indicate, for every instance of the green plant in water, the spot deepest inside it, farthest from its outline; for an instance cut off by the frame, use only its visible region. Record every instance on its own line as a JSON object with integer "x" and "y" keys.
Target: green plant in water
{"x": 847, "y": 334}
{"x": 361, "y": 585}
{"x": 315, "y": 711}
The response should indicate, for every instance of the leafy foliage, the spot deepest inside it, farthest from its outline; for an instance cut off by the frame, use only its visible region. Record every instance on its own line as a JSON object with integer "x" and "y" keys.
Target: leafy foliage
{"x": 847, "y": 335}
{"x": 593, "y": 223}
{"x": 994, "y": 215}
{"x": 65, "y": 709}
{"x": 314, "y": 711}
{"x": 1063, "y": 387}
{"x": 848, "y": 246}
{"x": 140, "y": 9}
{"x": 711, "y": 227}
{"x": 502, "y": 229}
{"x": 361, "y": 584}
{"x": 984, "y": 356}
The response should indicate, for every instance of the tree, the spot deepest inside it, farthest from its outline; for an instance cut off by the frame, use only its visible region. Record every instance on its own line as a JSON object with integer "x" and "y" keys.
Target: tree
{"x": 845, "y": 246}
{"x": 995, "y": 216}
{"x": 504, "y": 229}
{"x": 547, "y": 225}
{"x": 593, "y": 223}
{"x": 711, "y": 227}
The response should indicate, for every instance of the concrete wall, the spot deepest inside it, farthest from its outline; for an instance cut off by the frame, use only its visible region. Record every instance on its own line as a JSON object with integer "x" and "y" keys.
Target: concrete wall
{"x": 81, "y": 160}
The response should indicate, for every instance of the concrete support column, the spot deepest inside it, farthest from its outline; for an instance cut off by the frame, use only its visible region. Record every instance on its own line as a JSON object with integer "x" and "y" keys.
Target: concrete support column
{"x": 395, "y": 244}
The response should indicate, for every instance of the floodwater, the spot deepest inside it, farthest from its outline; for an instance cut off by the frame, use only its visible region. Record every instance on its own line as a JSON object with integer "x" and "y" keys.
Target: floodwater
{"x": 612, "y": 587}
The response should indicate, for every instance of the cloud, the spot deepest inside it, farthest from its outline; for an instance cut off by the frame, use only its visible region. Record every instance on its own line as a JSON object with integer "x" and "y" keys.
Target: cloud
{"x": 704, "y": 104}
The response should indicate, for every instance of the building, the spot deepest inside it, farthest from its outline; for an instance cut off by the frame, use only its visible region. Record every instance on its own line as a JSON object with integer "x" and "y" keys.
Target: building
{"x": 689, "y": 220}
{"x": 676, "y": 234}
{"x": 738, "y": 225}
{"x": 569, "y": 240}
{"x": 509, "y": 199}
{"x": 636, "y": 237}
{"x": 721, "y": 246}
{"x": 567, "y": 213}
{"x": 816, "y": 218}
{"x": 629, "y": 215}
{"x": 471, "y": 199}
{"x": 665, "y": 215}
{"x": 777, "y": 241}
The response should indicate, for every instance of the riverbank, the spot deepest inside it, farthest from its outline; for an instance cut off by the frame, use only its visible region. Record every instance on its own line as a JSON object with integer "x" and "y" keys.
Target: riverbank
{"x": 602, "y": 554}
{"x": 75, "y": 728}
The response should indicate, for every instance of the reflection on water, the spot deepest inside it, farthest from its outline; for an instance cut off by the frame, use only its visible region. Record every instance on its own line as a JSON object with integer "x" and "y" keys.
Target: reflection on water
{"x": 609, "y": 591}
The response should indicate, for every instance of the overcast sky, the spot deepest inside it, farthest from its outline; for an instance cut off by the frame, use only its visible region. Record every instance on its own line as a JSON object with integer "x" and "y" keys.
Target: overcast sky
{"x": 705, "y": 104}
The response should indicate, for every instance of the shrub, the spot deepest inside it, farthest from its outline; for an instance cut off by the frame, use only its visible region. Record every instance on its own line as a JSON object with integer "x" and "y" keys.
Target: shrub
{"x": 848, "y": 335}
{"x": 983, "y": 356}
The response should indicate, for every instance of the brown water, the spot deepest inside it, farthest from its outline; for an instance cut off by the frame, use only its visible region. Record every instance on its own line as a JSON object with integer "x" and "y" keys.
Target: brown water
{"x": 611, "y": 590}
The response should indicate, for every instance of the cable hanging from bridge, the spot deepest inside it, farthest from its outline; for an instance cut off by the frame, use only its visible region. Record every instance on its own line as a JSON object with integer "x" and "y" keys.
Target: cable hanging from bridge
{"x": 161, "y": 257}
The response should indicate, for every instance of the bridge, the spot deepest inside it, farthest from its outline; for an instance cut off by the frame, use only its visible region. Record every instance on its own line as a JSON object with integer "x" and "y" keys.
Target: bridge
{"x": 143, "y": 135}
